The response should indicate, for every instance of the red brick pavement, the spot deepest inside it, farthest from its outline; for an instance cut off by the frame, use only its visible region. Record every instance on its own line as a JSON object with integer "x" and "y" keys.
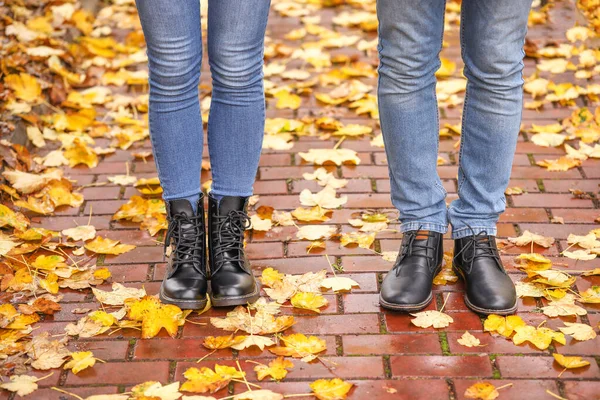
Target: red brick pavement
{"x": 381, "y": 352}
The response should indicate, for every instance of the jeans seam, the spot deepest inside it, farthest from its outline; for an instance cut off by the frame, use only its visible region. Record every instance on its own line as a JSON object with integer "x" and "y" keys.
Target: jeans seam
{"x": 461, "y": 180}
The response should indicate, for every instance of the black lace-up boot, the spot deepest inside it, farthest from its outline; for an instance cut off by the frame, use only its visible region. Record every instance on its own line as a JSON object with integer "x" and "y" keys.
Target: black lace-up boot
{"x": 489, "y": 289}
{"x": 407, "y": 287}
{"x": 231, "y": 279}
{"x": 185, "y": 282}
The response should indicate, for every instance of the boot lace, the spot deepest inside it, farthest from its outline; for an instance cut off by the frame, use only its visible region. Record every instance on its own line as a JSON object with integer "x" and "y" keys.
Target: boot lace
{"x": 185, "y": 232}
{"x": 230, "y": 231}
{"x": 408, "y": 249}
{"x": 479, "y": 246}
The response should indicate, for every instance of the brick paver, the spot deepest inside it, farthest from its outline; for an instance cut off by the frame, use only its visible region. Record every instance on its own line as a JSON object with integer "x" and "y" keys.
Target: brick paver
{"x": 381, "y": 352}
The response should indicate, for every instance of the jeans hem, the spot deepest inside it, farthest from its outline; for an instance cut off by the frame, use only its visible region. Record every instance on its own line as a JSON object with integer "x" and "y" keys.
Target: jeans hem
{"x": 425, "y": 226}
{"x": 474, "y": 230}
{"x": 182, "y": 195}
{"x": 226, "y": 193}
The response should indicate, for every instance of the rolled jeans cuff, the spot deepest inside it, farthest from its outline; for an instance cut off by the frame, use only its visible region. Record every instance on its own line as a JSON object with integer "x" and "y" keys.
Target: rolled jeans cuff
{"x": 474, "y": 230}
{"x": 424, "y": 226}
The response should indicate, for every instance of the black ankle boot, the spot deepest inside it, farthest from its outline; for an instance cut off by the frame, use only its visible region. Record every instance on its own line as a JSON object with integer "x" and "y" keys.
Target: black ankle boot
{"x": 185, "y": 282}
{"x": 407, "y": 287}
{"x": 489, "y": 289}
{"x": 231, "y": 279}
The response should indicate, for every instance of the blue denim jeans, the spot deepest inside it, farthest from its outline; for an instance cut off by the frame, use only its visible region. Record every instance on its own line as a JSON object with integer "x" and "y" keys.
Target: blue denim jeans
{"x": 410, "y": 40}
{"x": 236, "y": 31}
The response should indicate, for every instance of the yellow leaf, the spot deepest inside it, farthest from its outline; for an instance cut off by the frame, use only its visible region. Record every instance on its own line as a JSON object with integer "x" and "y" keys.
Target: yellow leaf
{"x": 309, "y": 301}
{"x": 540, "y": 337}
{"x": 316, "y": 232}
{"x": 155, "y": 316}
{"x": 447, "y": 68}
{"x": 326, "y": 198}
{"x": 315, "y": 213}
{"x": 298, "y": 345}
{"x": 363, "y": 240}
{"x": 528, "y": 237}
{"x": 82, "y": 232}
{"x": 578, "y": 331}
{"x": 49, "y": 263}
{"x": 101, "y": 245}
{"x": 570, "y": 362}
{"x": 219, "y": 342}
{"x": 330, "y": 389}
{"x": 335, "y": 156}
{"x": 22, "y": 385}
{"x": 564, "y": 163}
{"x": 270, "y": 276}
{"x": 206, "y": 380}
{"x": 80, "y": 360}
{"x": 277, "y": 369}
{"x": 80, "y": 153}
{"x": 27, "y": 183}
{"x": 118, "y": 295}
{"x": 504, "y": 326}
{"x": 25, "y": 86}
{"x": 469, "y": 340}
{"x": 426, "y": 319}
{"x": 12, "y": 218}
{"x": 482, "y": 391}
{"x": 286, "y": 99}
{"x": 534, "y": 262}
{"x": 339, "y": 283}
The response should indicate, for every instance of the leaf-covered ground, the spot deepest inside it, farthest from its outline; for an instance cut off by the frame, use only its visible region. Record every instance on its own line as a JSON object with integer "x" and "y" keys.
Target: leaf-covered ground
{"x": 82, "y": 222}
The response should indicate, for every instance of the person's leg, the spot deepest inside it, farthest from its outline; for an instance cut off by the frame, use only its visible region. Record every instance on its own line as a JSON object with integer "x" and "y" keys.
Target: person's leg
{"x": 174, "y": 42}
{"x": 492, "y": 38}
{"x": 173, "y": 37}
{"x": 410, "y": 39}
{"x": 236, "y": 31}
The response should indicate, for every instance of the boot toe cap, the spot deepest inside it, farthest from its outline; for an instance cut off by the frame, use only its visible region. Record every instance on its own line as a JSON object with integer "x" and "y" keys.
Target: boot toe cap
{"x": 184, "y": 290}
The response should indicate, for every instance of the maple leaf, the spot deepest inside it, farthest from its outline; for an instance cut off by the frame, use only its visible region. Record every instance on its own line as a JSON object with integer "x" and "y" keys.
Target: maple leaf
{"x": 315, "y": 213}
{"x": 25, "y": 86}
{"x": 330, "y": 389}
{"x": 534, "y": 262}
{"x": 271, "y": 276}
{"x": 426, "y": 319}
{"x": 326, "y": 198}
{"x": 286, "y": 99}
{"x": 590, "y": 295}
{"x": 578, "y": 331}
{"x": 482, "y": 391}
{"x": 336, "y": 156}
{"x": 219, "y": 342}
{"x": 155, "y": 316}
{"x": 309, "y": 301}
{"x": 206, "y": 380}
{"x": 570, "y": 362}
{"x": 469, "y": 340}
{"x": 155, "y": 390}
{"x": 504, "y": 326}
{"x": 118, "y": 295}
{"x": 363, "y": 240}
{"x": 47, "y": 354}
{"x": 102, "y": 245}
{"x": 82, "y": 232}
{"x": 80, "y": 153}
{"x": 243, "y": 342}
{"x": 316, "y": 232}
{"x": 80, "y": 360}
{"x": 27, "y": 183}
{"x": 528, "y": 289}
{"x": 540, "y": 337}
{"x": 339, "y": 283}
{"x": 12, "y": 218}
{"x": 298, "y": 345}
{"x": 277, "y": 369}
{"x": 528, "y": 237}
{"x": 22, "y": 385}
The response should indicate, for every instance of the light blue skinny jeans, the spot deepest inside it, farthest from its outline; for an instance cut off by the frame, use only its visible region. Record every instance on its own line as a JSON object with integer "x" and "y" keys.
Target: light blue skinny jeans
{"x": 492, "y": 34}
{"x": 236, "y": 31}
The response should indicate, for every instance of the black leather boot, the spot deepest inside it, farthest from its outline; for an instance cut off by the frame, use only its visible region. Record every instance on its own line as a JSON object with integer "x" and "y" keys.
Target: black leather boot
{"x": 231, "y": 279}
{"x": 407, "y": 287}
{"x": 185, "y": 283}
{"x": 489, "y": 289}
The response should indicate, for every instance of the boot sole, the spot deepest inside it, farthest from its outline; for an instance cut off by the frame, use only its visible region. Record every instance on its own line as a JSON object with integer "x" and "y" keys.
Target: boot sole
{"x": 228, "y": 301}
{"x": 183, "y": 304}
{"x": 405, "y": 307}
{"x": 409, "y": 307}
{"x": 480, "y": 310}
